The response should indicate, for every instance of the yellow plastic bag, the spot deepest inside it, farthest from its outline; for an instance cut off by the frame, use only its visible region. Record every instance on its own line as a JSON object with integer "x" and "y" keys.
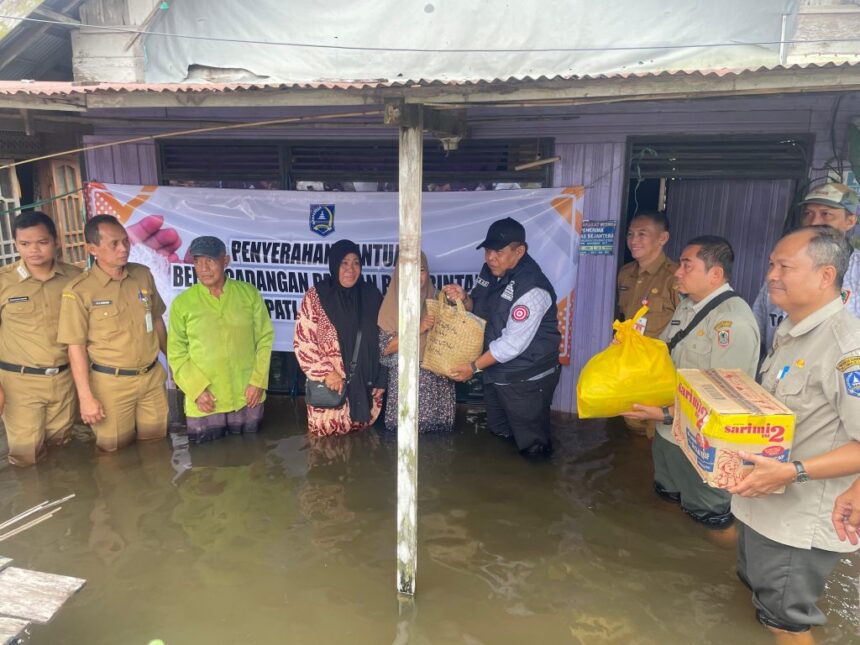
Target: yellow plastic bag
{"x": 636, "y": 369}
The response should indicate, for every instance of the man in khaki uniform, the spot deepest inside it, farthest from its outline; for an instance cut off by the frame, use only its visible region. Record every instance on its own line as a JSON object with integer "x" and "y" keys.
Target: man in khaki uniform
{"x": 725, "y": 337}
{"x": 111, "y": 319}
{"x": 40, "y": 398}
{"x": 648, "y": 280}
{"x": 787, "y": 546}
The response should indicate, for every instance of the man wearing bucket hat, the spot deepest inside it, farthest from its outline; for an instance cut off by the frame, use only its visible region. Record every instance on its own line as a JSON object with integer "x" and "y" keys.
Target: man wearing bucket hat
{"x": 834, "y": 205}
{"x": 521, "y": 339}
{"x": 219, "y": 346}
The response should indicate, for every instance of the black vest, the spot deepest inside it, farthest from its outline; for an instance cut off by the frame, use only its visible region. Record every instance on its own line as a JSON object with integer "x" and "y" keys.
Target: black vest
{"x": 493, "y": 299}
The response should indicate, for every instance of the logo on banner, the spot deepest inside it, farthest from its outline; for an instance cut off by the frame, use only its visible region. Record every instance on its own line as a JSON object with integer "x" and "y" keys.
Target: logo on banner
{"x": 322, "y": 219}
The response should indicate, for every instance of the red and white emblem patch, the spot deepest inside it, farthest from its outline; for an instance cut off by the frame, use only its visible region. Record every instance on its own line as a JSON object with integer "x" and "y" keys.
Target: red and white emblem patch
{"x": 520, "y": 313}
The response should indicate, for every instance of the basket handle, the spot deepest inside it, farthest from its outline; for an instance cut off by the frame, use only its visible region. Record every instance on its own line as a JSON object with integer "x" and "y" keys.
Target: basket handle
{"x": 461, "y": 308}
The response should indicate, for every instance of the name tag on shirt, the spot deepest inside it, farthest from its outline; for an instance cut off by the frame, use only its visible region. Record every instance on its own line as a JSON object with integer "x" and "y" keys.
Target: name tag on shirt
{"x": 148, "y": 321}
{"x": 102, "y": 303}
{"x": 675, "y": 323}
{"x": 19, "y": 299}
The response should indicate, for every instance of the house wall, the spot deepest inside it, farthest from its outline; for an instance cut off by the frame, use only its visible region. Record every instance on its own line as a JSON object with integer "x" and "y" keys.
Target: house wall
{"x": 592, "y": 143}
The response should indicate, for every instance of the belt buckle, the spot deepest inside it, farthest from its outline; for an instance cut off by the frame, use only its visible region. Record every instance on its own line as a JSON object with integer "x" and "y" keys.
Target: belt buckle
{"x": 143, "y": 370}
{"x": 52, "y": 371}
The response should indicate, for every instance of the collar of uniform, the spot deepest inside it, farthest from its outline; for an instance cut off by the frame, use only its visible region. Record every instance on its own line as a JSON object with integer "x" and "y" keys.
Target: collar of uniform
{"x": 103, "y": 277}
{"x": 699, "y": 305}
{"x": 812, "y": 320}
{"x": 653, "y": 266}
{"x": 24, "y": 273}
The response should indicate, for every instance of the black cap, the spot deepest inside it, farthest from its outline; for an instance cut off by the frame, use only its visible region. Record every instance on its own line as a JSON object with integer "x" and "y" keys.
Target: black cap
{"x": 207, "y": 246}
{"x": 502, "y": 232}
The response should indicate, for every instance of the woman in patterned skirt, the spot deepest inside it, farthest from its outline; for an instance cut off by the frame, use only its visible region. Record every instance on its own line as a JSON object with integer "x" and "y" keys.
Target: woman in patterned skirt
{"x": 331, "y": 315}
{"x": 435, "y": 393}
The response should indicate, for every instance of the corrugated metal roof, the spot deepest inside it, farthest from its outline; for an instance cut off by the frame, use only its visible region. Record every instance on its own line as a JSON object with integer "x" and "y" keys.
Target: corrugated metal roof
{"x": 55, "y": 89}
{"x": 48, "y": 46}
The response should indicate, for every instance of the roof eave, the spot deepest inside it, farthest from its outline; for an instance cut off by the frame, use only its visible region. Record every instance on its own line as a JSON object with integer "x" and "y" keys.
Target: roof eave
{"x": 679, "y": 85}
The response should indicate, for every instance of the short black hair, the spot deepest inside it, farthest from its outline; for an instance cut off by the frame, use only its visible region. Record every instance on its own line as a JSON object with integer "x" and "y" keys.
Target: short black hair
{"x": 715, "y": 251}
{"x": 657, "y": 217}
{"x": 31, "y": 219}
{"x": 91, "y": 228}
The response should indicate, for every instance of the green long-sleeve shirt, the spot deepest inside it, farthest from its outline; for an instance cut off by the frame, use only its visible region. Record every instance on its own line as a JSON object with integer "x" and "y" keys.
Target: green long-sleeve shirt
{"x": 223, "y": 344}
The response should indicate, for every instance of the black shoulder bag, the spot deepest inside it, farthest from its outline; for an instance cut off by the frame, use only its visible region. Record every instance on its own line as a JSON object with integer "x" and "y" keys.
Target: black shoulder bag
{"x": 699, "y": 317}
{"x": 318, "y": 395}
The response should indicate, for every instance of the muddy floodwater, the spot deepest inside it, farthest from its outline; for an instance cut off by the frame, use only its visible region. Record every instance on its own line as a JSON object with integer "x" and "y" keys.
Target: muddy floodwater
{"x": 276, "y": 538}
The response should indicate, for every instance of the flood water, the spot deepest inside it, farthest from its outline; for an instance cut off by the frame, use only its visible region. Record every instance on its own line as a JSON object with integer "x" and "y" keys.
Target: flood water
{"x": 280, "y": 539}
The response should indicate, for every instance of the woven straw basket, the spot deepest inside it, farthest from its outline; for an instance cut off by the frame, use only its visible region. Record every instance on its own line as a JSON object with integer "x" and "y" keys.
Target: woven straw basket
{"x": 456, "y": 338}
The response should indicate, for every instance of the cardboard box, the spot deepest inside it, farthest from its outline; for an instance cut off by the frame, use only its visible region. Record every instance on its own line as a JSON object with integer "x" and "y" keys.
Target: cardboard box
{"x": 717, "y": 413}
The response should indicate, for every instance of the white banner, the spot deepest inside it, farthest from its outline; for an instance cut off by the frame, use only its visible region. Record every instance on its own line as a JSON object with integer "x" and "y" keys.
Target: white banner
{"x": 279, "y": 240}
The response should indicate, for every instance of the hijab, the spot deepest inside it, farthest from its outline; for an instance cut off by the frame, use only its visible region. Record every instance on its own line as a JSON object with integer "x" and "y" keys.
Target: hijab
{"x": 351, "y": 309}
{"x": 388, "y": 313}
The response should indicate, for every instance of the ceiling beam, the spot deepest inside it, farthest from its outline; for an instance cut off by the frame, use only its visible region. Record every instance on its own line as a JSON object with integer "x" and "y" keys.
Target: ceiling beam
{"x": 23, "y": 42}
{"x": 54, "y": 15}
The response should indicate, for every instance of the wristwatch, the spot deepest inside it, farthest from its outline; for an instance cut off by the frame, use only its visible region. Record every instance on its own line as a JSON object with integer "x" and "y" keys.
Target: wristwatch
{"x": 667, "y": 418}
{"x": 802, "y": 476}
{"x": 475, "y": 369}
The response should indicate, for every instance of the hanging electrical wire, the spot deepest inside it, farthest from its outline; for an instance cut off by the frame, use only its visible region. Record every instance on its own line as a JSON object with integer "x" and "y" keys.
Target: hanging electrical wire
{"x": 421, "y": 50}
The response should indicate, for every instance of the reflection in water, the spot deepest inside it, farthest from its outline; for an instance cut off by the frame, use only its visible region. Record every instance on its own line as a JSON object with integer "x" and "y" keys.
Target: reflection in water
{"x": 282, "y": 537}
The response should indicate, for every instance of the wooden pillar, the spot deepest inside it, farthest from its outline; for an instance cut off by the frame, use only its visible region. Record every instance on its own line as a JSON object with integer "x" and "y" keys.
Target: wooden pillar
{"x": 410, "y": 180}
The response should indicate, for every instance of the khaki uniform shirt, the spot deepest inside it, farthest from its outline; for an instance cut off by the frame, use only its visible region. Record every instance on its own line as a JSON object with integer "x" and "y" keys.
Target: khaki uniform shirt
{"x": 29, "y": 314}
{"x": 109, "y": 316}
{"x": 727, "y": 338}
{"x": 822, "y": 388}
{"x": 655, "y": 284}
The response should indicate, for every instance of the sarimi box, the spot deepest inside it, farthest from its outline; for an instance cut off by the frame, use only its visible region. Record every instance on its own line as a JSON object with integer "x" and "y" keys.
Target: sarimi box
{"x": 717, "y": 413}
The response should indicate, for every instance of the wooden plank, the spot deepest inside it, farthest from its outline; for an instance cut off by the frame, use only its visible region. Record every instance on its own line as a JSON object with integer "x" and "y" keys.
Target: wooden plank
{"x": 11, "y": 629}
{"x": 411, "y": 161}
{"x": 33, "y": 595}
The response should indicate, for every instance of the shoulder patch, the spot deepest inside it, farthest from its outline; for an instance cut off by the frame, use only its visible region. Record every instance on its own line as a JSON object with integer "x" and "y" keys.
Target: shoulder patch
{"x": 852, "y": 383}
{"x": 723, "y": 324}
{"x": 724, "y": 337}
{"x": 847, "y": 363}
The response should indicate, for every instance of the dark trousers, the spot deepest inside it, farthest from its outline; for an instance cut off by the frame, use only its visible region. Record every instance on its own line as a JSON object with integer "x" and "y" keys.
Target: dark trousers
{"x": 786, "y": 582}
{"x": 521, "y": 410}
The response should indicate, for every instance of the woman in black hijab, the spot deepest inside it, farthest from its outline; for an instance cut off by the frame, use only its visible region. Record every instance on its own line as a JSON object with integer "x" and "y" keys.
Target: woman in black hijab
{"x": 332, "y": 313}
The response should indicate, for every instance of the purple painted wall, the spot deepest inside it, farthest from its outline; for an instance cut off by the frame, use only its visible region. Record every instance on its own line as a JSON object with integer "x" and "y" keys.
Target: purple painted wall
{"x": 600, "y": 167}
{"x": 748, "y": 213}
{"x": 131, "y": 163}
{"x": 591, "y": 141}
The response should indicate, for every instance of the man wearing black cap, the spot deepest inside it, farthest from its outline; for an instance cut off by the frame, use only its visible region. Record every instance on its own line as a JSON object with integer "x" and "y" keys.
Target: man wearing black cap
{"x": 521, "y": 340}
{"x": 219, "y": 347}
